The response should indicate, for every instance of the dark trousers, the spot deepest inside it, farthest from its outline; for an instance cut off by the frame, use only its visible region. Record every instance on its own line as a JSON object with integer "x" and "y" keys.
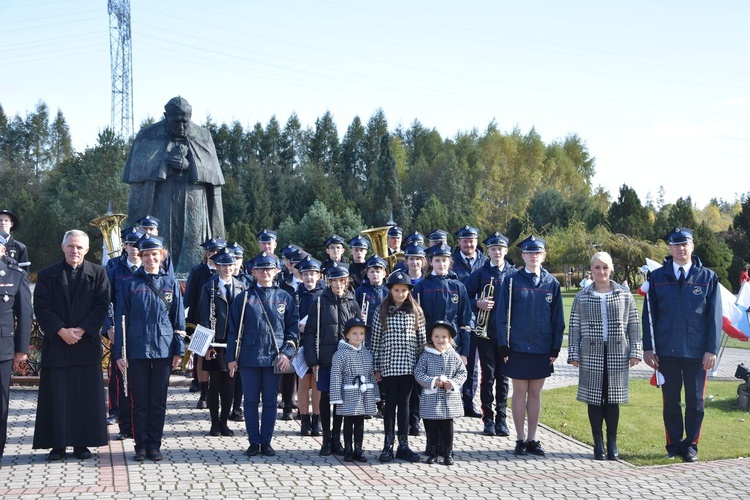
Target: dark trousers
{"x": 354, "y": 426}
{"x": 220, "y": 387}
{"x": 237, "y": 390}
{"x": 6, "y": 370}
{"x": 416, "y": 391}
{"x": 326, "y": 410}
{"x": 440, "y": 431}
{"x": 494, "y": 385}
{"x": 469, "y": 389}
{"x": 288, "y": 386}
{"x": 119, "y": 403}
{"x": 257, "y": 382}
{"x": 690, "y": 373}
{"x": 399, "y": 389}
{"x": 148, "y": 380}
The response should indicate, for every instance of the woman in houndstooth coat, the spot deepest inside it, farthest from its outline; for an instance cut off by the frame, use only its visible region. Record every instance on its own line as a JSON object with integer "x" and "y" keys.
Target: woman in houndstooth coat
{"x": 441, "y": 373}
{"x": 604, "y": 341}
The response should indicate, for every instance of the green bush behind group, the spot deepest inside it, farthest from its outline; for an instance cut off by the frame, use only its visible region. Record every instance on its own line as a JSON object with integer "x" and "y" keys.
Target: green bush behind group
{"x": 310, "y": 182}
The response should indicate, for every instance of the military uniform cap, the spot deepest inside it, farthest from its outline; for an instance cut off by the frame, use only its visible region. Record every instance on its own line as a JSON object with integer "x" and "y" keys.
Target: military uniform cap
{"x": 148, "y": 221}
{"x": 214, "y": 244}
{"x": 467, "y": 232}
{"x": 395, "y": 232}
{"x": 376, "y": 261}
{"x": 224, "y": 257}
{"x": 334, "y": 240}
{"x": 308, "y": 263}
{"x": 414, "y": 238}
{"x": 496, "y": 239}
{"x": 679, "y": 235}
{"x": 439, "y": 250}
{"x": 150, "y": 242}
{"x": 414, "y": 251}
{"x": 264, "y": 260}
{"x": 131, "y": 235}
{"x": 398, "y": 278}
{"x": 532, "y": 244}
{"x": 289, "y": 251}
{"x": 236, "y": 249}
{"x": 438, "y": 235}
{"x": 358, "y": 242}
{"x": 337, "y": 271}
{"x": 14, "y": 221}
{"x": 266, "y": 235}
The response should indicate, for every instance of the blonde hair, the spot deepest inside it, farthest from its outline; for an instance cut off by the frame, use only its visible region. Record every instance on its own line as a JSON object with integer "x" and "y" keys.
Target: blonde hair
{"x": 603, "y": 257}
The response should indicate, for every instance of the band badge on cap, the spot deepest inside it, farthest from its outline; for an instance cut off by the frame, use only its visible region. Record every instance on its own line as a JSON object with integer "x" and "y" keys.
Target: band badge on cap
{"x": 6, "y": 298}
{"x": 2, "y": 272}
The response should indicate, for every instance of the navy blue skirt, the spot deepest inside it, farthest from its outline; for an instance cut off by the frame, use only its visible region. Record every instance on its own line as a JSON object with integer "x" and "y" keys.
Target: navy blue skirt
{"x": 524, "y": 366}
{"x": 324, "y": 378}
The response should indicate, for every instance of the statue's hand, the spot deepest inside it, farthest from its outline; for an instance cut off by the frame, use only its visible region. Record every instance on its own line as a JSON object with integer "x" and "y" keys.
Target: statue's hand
{"x": 177, "y": 161}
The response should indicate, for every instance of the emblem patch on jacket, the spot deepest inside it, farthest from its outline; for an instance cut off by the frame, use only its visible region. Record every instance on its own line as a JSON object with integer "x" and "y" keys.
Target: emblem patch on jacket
{"x": 697, "y": 290}
{"x": 548, "y": 298}
{"x": 168, "y": 297}
{"x": 281, "y": 308}
{"x": 454, "y": 298}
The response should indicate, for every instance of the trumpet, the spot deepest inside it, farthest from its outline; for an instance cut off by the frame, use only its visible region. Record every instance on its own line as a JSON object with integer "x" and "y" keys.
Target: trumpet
{"x": 483, "y": 316}
{"x": 365, "y": 308}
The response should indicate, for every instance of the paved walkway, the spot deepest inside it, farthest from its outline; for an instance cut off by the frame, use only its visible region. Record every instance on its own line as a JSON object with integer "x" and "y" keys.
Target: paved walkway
{"x": 198, "y": 466}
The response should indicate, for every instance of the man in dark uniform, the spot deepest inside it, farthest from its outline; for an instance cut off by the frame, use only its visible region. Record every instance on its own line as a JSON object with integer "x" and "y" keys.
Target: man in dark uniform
{"x": 71, "y": 301}
{"x": 13, "y": 248}
{"x": 494, "y": 385}
{"x": 15, "y": 330}
{"x": 683, "y": 309}
{"x": 393, "y": 239}
{"x": 467, "y": 258}
{"x": 358, "y": 247}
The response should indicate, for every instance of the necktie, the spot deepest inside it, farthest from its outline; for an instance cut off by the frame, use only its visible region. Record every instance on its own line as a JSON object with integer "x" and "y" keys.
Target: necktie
{"x": 682, "y": 276}
{"x": 133, "y": 268}
{"x": 228, "y": 288}
{"x": 535, "y": 279}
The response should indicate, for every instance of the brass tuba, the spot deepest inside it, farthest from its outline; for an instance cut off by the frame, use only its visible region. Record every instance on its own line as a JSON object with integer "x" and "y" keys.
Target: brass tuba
{"x": 110, "y": 225}
{"x": 379, "y": 238}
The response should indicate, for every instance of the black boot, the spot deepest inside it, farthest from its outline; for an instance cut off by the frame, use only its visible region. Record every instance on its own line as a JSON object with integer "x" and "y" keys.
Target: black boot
{"x": 325, "y": 450}
{"x": 432, "y": 454}
{"x": 404, "y": 452}
{"x": 448, "y": 456}
{"x": 305, "y": 427}
{"x": 315, "y": 428}
{"x": 598, "y": 445}
{"x": 387, "y": 454}
{"x": 202, "y": 403}
{"x": 336, "y": 447}
{"x": 358, "y": 454}
{"x": 612, "y": 453}
{"x": 347, "y": 451}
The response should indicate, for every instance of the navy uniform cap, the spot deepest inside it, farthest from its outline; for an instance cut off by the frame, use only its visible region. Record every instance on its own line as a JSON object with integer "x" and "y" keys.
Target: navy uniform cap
{"x": 14, "y": 222}
{"x": 352, "y": 322}
{"x": 414, "y": 251}
{"x": 148, "y": 221}
{"x": 496, "y": 239}
{"x": 376, "y": 261}
{"x": 337, "y": 271}
{"x": 414, "y": 238}
{"x": 438, "y": 235}
{"x": 532, "y": 244}
{"x": 266, "y": 235}
{"x": 264, "y": 260}
{"x": 467, "y": 232}
{"x": 398, "y": 278}
{"x": 214, "y": 244}
{"x": 150, "y": 242}
{"x": 236, "y": 249}
{"x": 358, "y": 242}
{"x": 224, "y": 257}
{"x": 679, "y": 235}
{"x": 288, "y": 251}
{"x": 395, "y": 232}
{"x": 438, "y": 250}
{"x": 445, "y": 324}
{"x": 333, "y": 240}
{"x": 131, "y": 235}
{"x": 308, "y": 264}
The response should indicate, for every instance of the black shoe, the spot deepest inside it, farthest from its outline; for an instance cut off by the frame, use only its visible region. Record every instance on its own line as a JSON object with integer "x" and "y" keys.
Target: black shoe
{"x": 287, "y": 414}
{"x": 325, "y": 449}
{"x": 202, "y": 404}
{"x": 266, "y": 450}
{"x": 358, "y": 454}
{"x": 305, "y": 425}
{"x": 252, "y": 450}
{"x": 387, "y": 454}
{"x": 348, "y": 453}
{"x": 535, "y": 448}
{"x": 140, "y": 456}
{"x": 56, "y": 454}
{"x": 612, "y": 453}
{"x": 214, "y": 431}
{"x": 404, "y": 452}
{"x": 226, "y": 431}
{"x": 470, "y": 411}
{"x": 501, "y": 429}
{"x": 336, "y": 447}
{"x": 122, "y": 435}
{"x": 111, "y": 420}
{"x": 415, "y": 430}
{"x": 315, "y": 428}
{"x": 520, "y": 448}
{"x": 690, "y": 457}
{"x": 448, "y": 458}
{"x": 194, "y": 386}
{"x": 154, "y": 455}
{"x": 81, "y": 453}
{"x": 237, "y": 415}
{"x": 489, "y": 428}
{"x": 670, "y": 455}
{"x": 432, "y": 455}
{"x": 599, "y": 453}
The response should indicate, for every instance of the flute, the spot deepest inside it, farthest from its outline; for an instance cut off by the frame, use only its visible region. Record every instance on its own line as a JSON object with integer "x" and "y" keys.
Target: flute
{"x": 124, "y": 356}
{"x": 317, "y": 343}
{"x": 510, "y": 302}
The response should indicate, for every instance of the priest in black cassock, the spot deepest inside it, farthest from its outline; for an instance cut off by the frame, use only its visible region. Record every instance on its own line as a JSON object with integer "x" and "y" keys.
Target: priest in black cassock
{"x": 71, "y": 301}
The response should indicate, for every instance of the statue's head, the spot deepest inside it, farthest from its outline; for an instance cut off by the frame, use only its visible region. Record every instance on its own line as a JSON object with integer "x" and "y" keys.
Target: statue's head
{"x": 177, "y": 113}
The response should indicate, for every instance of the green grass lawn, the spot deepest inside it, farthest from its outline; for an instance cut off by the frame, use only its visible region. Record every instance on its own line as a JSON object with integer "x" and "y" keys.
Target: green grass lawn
{"x": 725, "y": 434}
{"x": 568, "y": 302}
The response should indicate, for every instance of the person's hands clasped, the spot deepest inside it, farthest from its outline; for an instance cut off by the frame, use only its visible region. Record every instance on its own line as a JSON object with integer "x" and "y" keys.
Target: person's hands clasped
{"x": 71, "y": 335}
{"x": 283, "y": 362}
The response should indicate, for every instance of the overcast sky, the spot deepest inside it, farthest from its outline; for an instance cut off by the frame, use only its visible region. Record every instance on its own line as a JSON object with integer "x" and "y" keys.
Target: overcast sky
{"x": 658, "y": 90}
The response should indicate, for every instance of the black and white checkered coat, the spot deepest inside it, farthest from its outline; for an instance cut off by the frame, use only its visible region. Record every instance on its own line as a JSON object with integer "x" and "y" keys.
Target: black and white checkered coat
{"x": 438, "y": 403}
{"x": 353, "y": 387}
{"x": 586, "y": 343}
{"x": 395, "y": 344}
